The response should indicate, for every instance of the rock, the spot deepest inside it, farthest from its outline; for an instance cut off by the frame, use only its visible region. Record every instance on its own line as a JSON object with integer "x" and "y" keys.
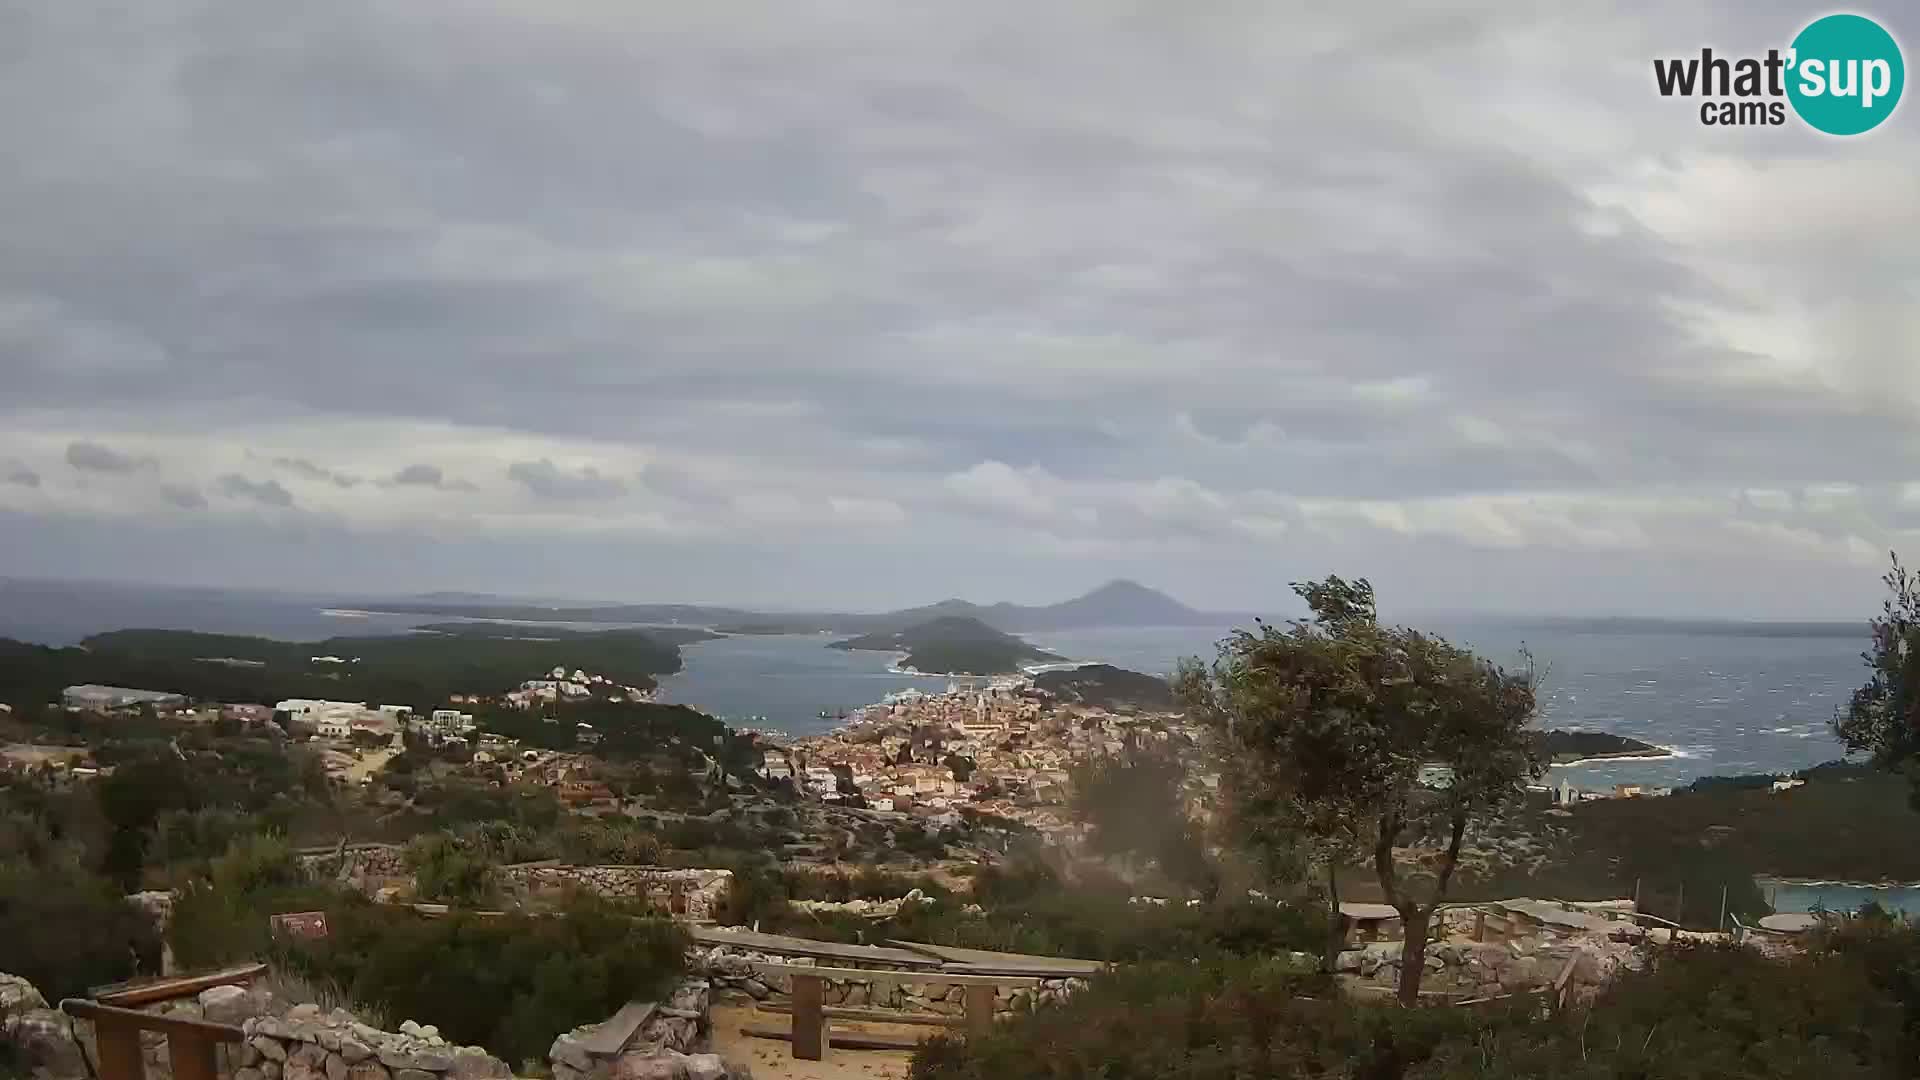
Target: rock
{"x": 473, "y": 1063}
{"x": 567, "y": 1072}
{"x": 569, "y": 1051}
{"x": 249, "y": 1053}
{"x": 706, "y": 1067}
{"x": 662, "y": 1065}
{"x": 269, "y": 1048}
{"x": 413, "y": 1074}
{"x": 303, "y": 1013}
{"x": 1434, "y": 963}
{"x": 1351, "y": 960}
{"x": 44, "y": 1042}
{"x": 367, "y": 1070}
{"x": 17, "y": 995}
{"x": 336, "y": 1067}
{"x": 756, "y": 989}
{"x": 270, "y": 1069}
{"x": 310, "y": 1055}
{"x": 246, "y": 1074}
{"x": 410, "y": 1027}
{"x": 227, "y": 1004}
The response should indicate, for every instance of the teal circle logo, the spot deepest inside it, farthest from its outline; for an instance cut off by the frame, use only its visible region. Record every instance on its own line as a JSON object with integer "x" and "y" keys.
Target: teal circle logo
{"x": 1846, "y": 74}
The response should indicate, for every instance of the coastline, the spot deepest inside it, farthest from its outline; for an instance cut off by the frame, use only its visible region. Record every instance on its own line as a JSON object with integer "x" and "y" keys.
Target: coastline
{"x": 1664, "y": 754}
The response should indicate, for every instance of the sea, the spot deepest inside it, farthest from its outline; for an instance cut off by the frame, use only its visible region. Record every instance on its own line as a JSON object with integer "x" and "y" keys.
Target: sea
{"x": 1721, "y": 699}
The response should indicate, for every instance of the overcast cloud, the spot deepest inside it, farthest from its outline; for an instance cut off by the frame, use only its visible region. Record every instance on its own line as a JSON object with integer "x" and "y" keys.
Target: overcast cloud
{"x": 869, "y": 304}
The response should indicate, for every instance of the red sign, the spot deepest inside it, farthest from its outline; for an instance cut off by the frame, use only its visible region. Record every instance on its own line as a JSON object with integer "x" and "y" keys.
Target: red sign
{"x": 306, "y": 924}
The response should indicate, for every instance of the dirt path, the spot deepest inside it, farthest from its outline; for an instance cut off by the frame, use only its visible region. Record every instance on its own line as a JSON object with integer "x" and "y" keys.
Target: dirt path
{"x": 773, "y": 1059}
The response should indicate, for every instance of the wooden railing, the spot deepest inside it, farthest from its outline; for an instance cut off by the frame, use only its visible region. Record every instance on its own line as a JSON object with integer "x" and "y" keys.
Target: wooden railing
{"x": 809, "y": 1032}
{"x": 116, "y": 1033}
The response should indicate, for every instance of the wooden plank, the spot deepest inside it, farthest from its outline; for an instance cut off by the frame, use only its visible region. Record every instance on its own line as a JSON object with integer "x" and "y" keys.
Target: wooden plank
{"x": 820, "y": 950}
{"x": 613, "y": 1033}
{"x": 845, "y": 1040}
{"x": 118, "y": 1043}
{"x": 809, "y": 1029}
{"x": 112, "y": 1015}
{"x": 149, "y": 991}
{"x": 894, "y": 978}
{"x": 874, "y": 1016}
{"x": 191, "y": 1056}
{"x": 979, "y": 1002}
{"x": 991, "y": 961}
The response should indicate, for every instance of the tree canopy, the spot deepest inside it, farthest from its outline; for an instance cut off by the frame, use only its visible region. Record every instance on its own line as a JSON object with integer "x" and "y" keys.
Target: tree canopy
{"x": 1340, "y": 737}
{"x": 1882, "y": 718}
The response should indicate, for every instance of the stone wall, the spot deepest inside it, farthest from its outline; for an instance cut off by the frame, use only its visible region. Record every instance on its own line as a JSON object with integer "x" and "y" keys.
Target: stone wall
{"x": 732, "y": 970}
{"x": 1528, "y": 958}
{"x": 308, "y": 1044}
{"x": 671, "y": 1044}
{"x": 366, "y": 866}
{"x": 688, "y": 894}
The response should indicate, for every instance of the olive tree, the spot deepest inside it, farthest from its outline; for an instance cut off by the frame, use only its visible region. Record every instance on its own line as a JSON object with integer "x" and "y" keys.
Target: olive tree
{"x": 1882, "y": 718}
{"x": 1361, "y": 739}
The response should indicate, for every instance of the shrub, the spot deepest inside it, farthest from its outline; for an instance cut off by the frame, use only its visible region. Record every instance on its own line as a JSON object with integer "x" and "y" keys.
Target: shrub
{"x": 509, "y": 983}
{"x": 447, "y": 871}
{"x": 65, "y": 930}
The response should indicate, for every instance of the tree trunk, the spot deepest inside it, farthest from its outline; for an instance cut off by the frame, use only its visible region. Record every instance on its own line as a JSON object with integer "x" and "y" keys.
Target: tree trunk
{"x": 1413, "y": 952}
{"x": 1336, "y": 925}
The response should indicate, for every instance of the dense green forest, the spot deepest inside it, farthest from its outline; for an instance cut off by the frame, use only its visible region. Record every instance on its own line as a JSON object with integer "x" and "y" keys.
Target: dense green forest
{"x": 416, "y": 669}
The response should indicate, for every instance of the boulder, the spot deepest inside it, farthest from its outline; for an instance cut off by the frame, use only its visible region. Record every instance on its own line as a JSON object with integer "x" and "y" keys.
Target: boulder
{"x": 367, "y": 1070}
{"x": 228, "y": 1004}
{"x": 661, "y": 1065}
{"x": 706, "y": 1067}
{"x": 269, "y": 1048}
{"x": 43, "y": 1040}
{"x": 413, "y": 1074}
{"x": 473, "y": 1063}
{"x": 568, "y": 1050}
{"x": 336, "y": 1067}
{"x": 17, "y": 995}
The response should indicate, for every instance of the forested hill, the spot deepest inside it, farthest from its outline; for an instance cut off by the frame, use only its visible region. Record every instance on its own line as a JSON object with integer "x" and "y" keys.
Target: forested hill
{"x": 953, "y": 645}
{"x": 1106, "y": 686}
{"x": 413, "y": 669}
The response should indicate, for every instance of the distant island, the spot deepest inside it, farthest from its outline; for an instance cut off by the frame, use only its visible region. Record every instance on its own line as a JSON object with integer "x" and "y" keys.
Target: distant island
{"x": 1106, "y": 686}
{"x": 1117, "y": 603}
{"x": 1562, "y": 747}
{"x": 408, "y": 668}
{"x": 952, "y": 645}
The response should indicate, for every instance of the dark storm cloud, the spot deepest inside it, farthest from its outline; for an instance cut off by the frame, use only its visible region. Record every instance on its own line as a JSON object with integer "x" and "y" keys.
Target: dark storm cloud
{"x": 264, "y": 492}
{"x": 94, "y": 457}
{"x": 303, "y": 467}
{"x": 549, "y": 481}
{"x": 421, "y": 475}
{"x": 943, "y": 259}
{"x": 24, "y": 477}
{"x": 186, "y": 498}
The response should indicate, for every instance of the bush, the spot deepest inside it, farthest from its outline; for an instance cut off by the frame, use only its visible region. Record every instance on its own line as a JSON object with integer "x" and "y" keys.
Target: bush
{"x": 449, "y": 872}
{"x": 1848, "y": 1009}
{"x": 509, "y": 983}
{"x": 65, "y": 930}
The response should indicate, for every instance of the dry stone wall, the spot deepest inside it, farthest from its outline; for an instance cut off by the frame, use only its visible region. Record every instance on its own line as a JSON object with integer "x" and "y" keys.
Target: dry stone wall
{"x": 690, "y": 894}
{"x": 731, "y": 969}
{"x": 307, "y": 1044}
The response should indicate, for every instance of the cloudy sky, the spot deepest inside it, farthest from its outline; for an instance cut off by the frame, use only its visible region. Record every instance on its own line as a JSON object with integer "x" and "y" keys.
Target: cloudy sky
{"x": 870, "y": 303}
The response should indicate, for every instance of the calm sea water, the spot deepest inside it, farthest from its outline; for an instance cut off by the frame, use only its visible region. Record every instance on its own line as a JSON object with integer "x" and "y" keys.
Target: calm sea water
{"x": 1725, "y": 703}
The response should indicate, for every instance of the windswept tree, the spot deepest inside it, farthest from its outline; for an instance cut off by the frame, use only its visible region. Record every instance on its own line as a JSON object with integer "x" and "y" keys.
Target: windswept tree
{"x": 1347, "y": 740}
{"x": 1883, "y": 716}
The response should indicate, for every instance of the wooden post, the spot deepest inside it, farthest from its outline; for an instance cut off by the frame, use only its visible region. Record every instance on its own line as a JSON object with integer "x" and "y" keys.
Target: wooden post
{"x": 1479, "y": 926}
{"x": 1723, "y": 907}
{"x": 191, "y": 1056}
{"x": 809, "y": 1023}
{"x": 979, "y": 1002}
{"x": 1636, "y": 894}
{"x": 119, "y": 1044}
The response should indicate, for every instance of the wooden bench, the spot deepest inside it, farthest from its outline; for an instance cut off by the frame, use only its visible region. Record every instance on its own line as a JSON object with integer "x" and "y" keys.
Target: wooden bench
{"x": 809, "y": 1033}
{"x": 116, "y": 1031}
